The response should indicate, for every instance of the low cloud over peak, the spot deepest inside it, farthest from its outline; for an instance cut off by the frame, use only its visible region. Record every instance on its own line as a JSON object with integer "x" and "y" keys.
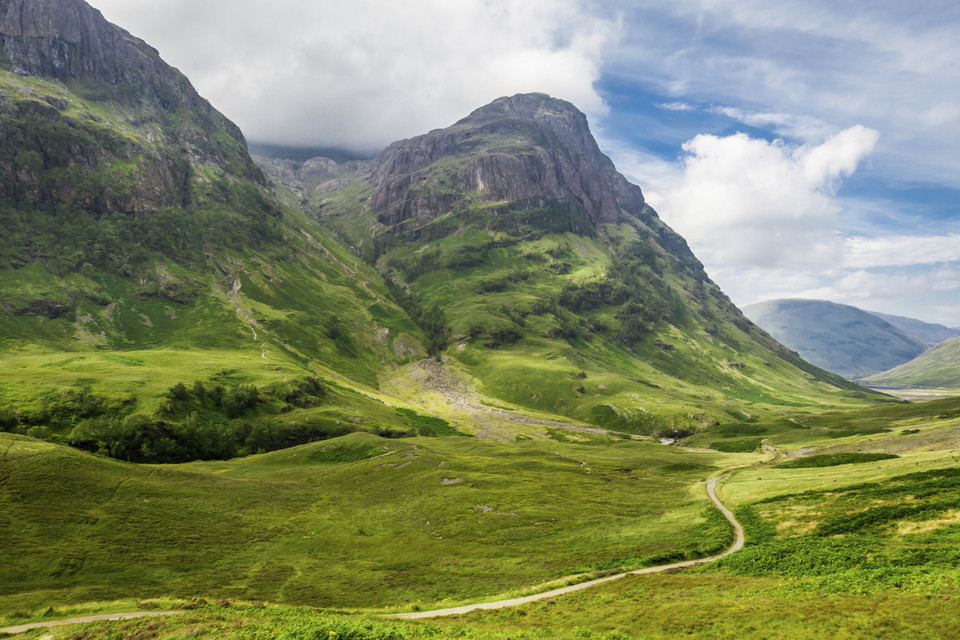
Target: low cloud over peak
{"x": 363, "y": 74}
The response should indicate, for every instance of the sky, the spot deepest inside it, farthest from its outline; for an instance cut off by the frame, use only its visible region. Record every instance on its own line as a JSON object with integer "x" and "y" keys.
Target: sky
{"x": 804, "y": 148}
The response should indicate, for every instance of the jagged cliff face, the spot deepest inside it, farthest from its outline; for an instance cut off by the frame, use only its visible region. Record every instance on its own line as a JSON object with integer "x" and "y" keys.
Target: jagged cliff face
{"x": 527, "y": 152}
{"x": 60, "y": 146}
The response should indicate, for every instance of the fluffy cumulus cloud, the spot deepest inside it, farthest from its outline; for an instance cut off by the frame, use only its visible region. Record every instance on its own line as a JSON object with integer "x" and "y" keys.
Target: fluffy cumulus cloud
{"x": 797, "y": 65}
{"x": 361, "y": 74}
{"x": 766, "y": 220}
{"x": 746, "y": 201}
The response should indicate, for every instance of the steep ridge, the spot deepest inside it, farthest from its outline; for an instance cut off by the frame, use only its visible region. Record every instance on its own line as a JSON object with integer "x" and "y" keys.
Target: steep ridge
{"x": 560, "y": 289}
{"x": 69, "y": 42}
{"x": 141, "y": 249}
{"x": 524, "y": 152}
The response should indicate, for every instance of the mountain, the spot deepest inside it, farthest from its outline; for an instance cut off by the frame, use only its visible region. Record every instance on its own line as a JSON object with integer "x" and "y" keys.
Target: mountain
{"x": 550, "y": 283}
{"x": 159, "y": 301}
{"x": 837, "y": 337}
{"x": 928, "y": 332}
{"x": 938, "y": 367}
{"x": 151, "y": 284}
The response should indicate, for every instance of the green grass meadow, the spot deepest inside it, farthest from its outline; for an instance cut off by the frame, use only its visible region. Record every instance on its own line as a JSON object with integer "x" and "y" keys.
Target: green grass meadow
{"x": 357, "y": 521}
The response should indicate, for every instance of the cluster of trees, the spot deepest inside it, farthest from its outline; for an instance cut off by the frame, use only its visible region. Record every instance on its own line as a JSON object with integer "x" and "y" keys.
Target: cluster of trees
{"x": 201, "y": 421}
{"x": 431, "y": 320}
{"x": 232, "y": 403}
{"x": 148, "y": 439}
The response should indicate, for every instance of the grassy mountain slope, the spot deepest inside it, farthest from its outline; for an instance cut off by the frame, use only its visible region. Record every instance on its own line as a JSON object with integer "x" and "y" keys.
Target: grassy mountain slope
{"x": 938, "y": 367}
{"x": 837, "y": 337}
{"x": 559, "y": 289}
{"x": 141, "y": 249}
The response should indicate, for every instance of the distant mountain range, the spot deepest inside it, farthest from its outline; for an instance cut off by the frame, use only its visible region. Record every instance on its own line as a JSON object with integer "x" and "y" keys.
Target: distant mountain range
{"x": 928, "y": 332}
{"x": 840, "y": 338}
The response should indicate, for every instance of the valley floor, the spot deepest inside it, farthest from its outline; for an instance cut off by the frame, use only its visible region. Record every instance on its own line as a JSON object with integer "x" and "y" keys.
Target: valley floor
{"x": 856, "y": 537}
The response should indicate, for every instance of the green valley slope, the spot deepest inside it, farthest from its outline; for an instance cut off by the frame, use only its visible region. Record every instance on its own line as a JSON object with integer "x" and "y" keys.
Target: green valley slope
{"x": 358, "y": 521}
{"x": 141, "y": 249}
{"x": 938, "y": 367}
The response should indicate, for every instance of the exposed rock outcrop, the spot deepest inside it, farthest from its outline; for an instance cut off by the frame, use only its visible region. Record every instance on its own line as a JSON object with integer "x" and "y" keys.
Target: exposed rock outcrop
{"x": 527, "y": 151}
{"x": 61, "y": 153}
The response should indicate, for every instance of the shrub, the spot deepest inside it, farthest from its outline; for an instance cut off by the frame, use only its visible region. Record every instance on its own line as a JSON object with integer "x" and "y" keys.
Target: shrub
{"x": 737, "y": 446}
{"x": 833, "y": 460}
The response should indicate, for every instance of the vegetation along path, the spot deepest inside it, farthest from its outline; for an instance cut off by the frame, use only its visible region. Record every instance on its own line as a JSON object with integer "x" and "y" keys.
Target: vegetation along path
{"x": 499, "y": 604}
{"x": 82, "y": 619}
{"x": 737, "y": 544}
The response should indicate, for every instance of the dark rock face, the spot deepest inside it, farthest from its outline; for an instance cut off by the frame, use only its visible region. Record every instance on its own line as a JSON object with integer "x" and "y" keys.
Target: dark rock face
{"x": 528, "y": 151}
{"x": 70, "y": 42}
{"x": 44, "y": 37}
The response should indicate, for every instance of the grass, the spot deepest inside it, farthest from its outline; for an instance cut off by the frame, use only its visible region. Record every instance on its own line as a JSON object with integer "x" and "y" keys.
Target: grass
{"x": 846, "y": 550}
{"x": 660, "y": 607}
{"x": 355, "y": 521}
{"x": 833, "y": 460}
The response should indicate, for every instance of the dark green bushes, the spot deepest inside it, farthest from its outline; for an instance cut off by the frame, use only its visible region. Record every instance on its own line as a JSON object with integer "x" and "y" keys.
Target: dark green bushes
{"x": 429, "y": 425}
{"x": 201, "y": 421}
{"x": 833, "y": 460}
{"x": 748, "y": 445}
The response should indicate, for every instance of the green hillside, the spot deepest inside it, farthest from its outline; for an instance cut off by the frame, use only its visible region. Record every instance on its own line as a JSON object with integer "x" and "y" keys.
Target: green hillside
{"x": 846, "y": 547}
{"x": 938, "y": 367}
{"x": 157, "y": 302}
{"x": 227, "y": 289}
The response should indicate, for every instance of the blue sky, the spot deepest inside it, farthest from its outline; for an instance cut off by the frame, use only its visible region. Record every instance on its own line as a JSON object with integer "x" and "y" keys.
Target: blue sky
{"x": 805, "y": 148}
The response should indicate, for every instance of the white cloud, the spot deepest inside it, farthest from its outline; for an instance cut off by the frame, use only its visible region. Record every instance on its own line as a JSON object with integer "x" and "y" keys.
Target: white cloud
{"x": 368, "y": 72}
{"x": 745, "y": 201}
{"x": 862, "y": 253}
{"x": 676, "y": 106}
{"x": 890, "y": 66}
{"x": 765, "y": 220}
{"x": 926, "y": 293}
{"x": 803, "y": 127}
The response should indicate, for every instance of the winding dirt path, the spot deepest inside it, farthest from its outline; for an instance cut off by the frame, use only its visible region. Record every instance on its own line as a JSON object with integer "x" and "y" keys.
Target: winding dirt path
{"x": 104, "y": 617}
{"x": 499, "y": 604}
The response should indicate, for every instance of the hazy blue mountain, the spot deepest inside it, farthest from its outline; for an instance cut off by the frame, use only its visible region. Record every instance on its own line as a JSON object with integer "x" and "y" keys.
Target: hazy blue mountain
{"x": 928, "y": 332}
{"x": 837, "y": 337}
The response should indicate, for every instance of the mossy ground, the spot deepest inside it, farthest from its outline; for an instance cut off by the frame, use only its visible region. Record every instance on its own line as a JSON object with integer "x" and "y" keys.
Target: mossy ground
{"x": 354, "y": 521}
{"x": 357, "y": 522}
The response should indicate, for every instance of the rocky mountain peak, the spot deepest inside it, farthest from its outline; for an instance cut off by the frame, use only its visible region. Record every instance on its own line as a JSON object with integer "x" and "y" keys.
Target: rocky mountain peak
{"x": 71, "y": 45}
{"x": 69, "y": 40}
{"x": 563, "y": 119}
{"x": 528, "y": 151}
